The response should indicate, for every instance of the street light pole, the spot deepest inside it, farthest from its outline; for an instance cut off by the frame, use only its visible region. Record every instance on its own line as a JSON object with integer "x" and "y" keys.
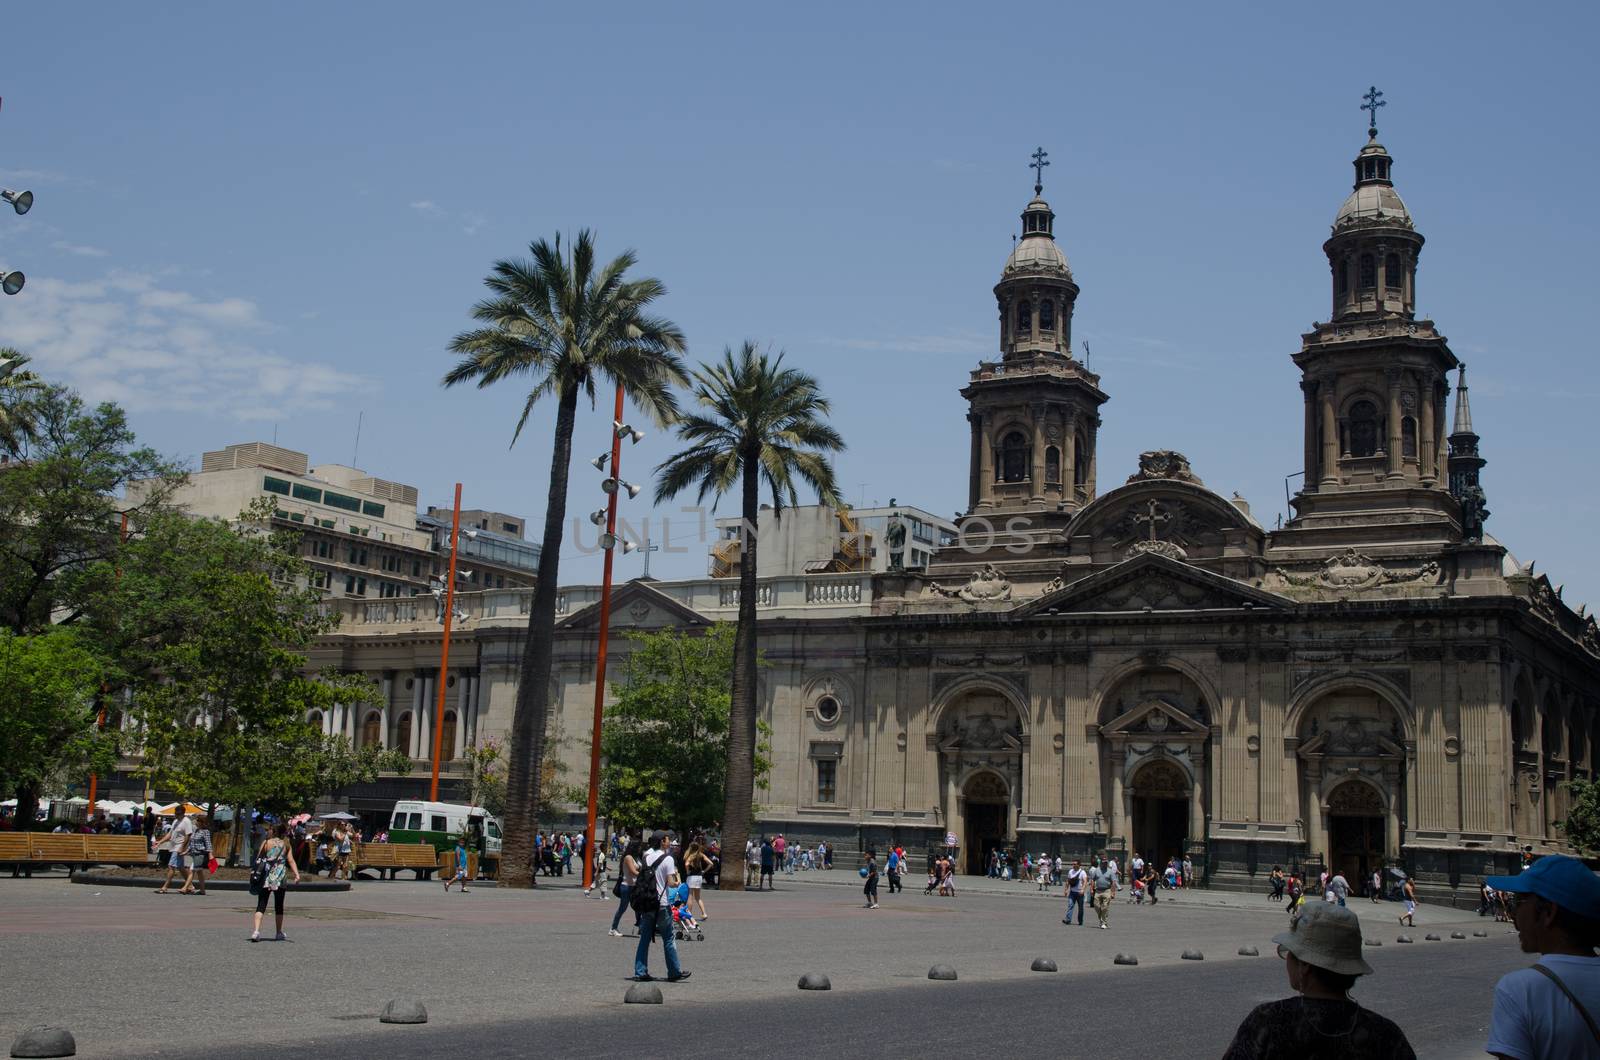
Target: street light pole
{"x": 444, "y": 655}
{"x": 609, "y": 542}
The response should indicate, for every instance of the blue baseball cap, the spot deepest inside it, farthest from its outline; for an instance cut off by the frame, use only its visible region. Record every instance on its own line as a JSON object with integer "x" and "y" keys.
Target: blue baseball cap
{"x": 1557, "y": 878}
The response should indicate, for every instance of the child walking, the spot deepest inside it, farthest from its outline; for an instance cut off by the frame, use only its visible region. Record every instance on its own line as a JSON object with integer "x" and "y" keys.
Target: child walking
{"x": 871, "y": 887}
{"x": 461, "y": 866}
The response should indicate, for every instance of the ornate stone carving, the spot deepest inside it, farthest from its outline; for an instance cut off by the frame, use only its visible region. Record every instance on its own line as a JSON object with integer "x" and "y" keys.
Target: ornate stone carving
{"x": 1353, "y": 570}
{"x": 639, "y": 610}
{"x": 987, "y": 585}
{"x": 1169, "y": 549}
{"x": 1164, "y": 464}
{"x": 1427, "y": 653}
{"x": 1234, "y": 655}
{"x": 1161, "y": 779}
{"x": 1355, "y": 797}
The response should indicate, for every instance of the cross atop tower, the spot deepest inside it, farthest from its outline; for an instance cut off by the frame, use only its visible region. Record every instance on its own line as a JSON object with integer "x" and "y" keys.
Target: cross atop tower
{"x": 1037, "y": 165}
{"x": 1374, "y": 100}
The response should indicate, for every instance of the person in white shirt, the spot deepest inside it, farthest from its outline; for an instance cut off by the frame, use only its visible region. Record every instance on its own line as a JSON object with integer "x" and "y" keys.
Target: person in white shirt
{"x": 1551, "y": 1011}
{"x": 660, "y": 868}
{"x": 177, "y": 842}
{"x": 1076, "y": 880}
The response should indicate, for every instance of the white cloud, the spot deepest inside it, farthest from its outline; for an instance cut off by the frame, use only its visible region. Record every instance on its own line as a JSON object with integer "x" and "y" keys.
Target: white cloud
{"x": 78, "y": 249}
{"x": 152, "y": 348}
{"x": 471, "y": 222}
{"x": 427, "y": 207}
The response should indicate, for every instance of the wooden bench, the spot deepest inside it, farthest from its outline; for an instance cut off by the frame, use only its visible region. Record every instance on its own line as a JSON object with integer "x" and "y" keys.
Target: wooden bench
{"x": 26, "y": 851}
{"x": 390, "y": 858}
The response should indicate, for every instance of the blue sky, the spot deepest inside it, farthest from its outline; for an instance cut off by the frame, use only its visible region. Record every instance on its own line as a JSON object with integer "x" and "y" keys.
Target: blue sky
{"x": 256, "y": 219}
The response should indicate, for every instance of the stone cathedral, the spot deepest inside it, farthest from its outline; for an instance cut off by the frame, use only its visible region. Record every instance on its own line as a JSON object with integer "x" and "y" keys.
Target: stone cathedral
{"x": 1141, "y": 666}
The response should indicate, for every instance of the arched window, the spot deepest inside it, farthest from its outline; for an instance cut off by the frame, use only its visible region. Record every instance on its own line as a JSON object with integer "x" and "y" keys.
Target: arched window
{"x": 1080, "y": 462}
{"x": 1393, "y": 275}
{"x": 1341, "y": 277}
{"x": 1369, "y": 271}
{"x": 372, "y": 730}
{"x": 1408, "y": 436}
{"x": 1047, "y": 315}
{"x": 1052, "y": 465}
{"x": 1024, "y": 317}
{"x": 1363, "y": 429}
{"x": 1014, "y": 458}
{"x": 315, "y": 718}
{"x": 447, "y": 737}
{"x": 402, "y": 733}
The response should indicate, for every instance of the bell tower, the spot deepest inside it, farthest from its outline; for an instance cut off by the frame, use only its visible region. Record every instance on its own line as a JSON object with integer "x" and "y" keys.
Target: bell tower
{"x": 1034, "y": 412}
{"x": 1374, "y": 380}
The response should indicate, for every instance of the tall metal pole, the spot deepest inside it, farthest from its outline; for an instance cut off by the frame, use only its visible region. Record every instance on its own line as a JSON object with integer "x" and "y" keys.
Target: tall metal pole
{"x": 444, "y": 655}
{"x": 100, "y": 722}
{"x": 600, "y": 658}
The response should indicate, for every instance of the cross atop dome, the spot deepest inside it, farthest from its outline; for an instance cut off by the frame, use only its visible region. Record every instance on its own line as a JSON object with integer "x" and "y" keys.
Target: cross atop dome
{"x": 1037, "y": 165}
{"x": 1374, "y": 100}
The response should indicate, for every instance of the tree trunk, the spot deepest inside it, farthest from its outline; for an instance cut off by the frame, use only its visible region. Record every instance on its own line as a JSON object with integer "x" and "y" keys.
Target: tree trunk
{"x": 739, "y": 797}
{"x": 525, "y": 755}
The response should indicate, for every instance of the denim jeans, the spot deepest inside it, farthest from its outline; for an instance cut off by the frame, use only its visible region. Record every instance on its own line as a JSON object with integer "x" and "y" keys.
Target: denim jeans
{"x": 661, "y": 925}
{"x": 1075, "y": 900}
{"x": 622, "y": 906}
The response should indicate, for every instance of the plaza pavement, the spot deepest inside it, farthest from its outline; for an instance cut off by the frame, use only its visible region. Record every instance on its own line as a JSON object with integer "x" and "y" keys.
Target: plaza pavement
{"x": 133, "y": 973}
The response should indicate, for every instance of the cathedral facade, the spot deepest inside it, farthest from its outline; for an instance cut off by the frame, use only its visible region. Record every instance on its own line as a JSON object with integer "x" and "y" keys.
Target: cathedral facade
{"x": 1141, "y": 666}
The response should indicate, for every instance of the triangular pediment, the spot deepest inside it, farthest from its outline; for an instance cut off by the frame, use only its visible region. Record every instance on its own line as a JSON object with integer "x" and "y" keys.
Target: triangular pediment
{"x": 1155, "y": 583}
{"x": 637, "y": 605}
{"x": 1155, "y": 718}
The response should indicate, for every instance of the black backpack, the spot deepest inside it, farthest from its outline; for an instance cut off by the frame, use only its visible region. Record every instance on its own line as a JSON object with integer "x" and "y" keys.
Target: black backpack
{"x": 646, "y": 900}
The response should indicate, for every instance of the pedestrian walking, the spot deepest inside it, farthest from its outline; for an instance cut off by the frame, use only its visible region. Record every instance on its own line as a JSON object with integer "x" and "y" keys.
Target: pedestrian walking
{"x": 1103, "y": 881}
{"x": 767, "y": 866}
{"x": 752, "y": 863}
{"x": 650, "y": 899}
{"x": 1551, "y": 1010}
{"x": 695, "y": 864}
{"x": 274, "y": 861}
{"x": 1376, "y": 884}
{"x": 870, "y": 871}
{"x": 460, "y": 875}
{"x": 1077, "y": 879}
{"x": 176, "y": 843}
{"x": 1150, "y": 885}
{"x": 1277, "y": 881}
{"x": 1338, "y": 889}
{"x": 344, "y": 844}
{"x": 627, "y": 874}
{"x": 1322, "y": 960}
{"x": 896, "y": 868}
{"x": 197, "y": 858}
{"x": 1408, "y": 890}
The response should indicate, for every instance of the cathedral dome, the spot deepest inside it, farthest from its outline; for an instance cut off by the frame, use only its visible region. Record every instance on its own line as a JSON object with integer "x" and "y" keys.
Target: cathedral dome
{"x": 1374, "y": 197}
{"x": 1037, "y": 251}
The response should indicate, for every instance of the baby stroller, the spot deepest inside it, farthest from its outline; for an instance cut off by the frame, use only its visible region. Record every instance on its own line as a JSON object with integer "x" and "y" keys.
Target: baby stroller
{"x": 684, "y": 926}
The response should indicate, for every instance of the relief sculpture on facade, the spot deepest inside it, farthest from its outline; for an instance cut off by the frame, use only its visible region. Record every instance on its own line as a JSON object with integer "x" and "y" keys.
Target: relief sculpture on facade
{"x": 1353, "y": 570}
{"x": 987, "y": 585}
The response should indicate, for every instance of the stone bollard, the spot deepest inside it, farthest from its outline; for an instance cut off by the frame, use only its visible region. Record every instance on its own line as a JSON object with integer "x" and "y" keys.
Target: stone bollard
{"x": 1480, "y": 934}
{"x": 403, "y": 1010}
{"x": 942, "y": 972}
{"x": 1193, "y": 955}
{"x": 1042, "y": 964}
{"x": 44, "y": 1041}
{"x": 1371, "y": 942}
{"x": 813, "y": 981}
{"x": 1403, "y": 938}
{"x": 1458, "y": 934}
{"x": 1249, "y": 951}
{"x": 642, "y": 994}
{"x": 1125, "y": 958}
{"x": 1430, "y": 937}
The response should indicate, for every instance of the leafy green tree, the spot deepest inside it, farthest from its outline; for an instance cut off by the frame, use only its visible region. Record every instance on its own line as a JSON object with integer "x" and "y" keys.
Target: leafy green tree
{"x": 1582, "y": 825}
{"x": 59, "y": 511}
{"x": 563, "y": 324}
{"x": 48, "y": 686}
{"x": 20, "y": 388}
{"x": 756, "y": 422}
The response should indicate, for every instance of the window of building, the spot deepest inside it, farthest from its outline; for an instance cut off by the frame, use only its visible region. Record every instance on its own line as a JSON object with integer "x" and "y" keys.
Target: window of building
{"x": 447, "y": 737}
{"x": 1369, "y": 271}
{"x": 339, "y": 500}
{"x": 1024, "y": 317}
{"x": 354, "y": 586}
{"x": 1014, "y": 456}
{"x": 319, "y": 579}
{"x": 510, "y": 528}
{"x": 827, "y": 779}
{"x": 402, "y": 733}
{"x": 275, "y": 485}
{"x": 1052, "y": 465}
{"x": 371, "y": 730}
{"x": 1393, "y": 275}
{"x": 297, "y": 517}
{"x": 1363, "y": 425}
{"x": 307, "y": 493}
{"x": 416, "y": 568}
{"x": 1408, "y": 437}
{"x": 1047, "y": 315}
{"x": 827, "y": 710}
{"x": 372, "y": 508}
{"x": 1341, "y": 277}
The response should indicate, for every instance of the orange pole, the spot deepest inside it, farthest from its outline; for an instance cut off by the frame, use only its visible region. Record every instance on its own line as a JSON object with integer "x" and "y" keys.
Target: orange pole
{"x": 600, "y": 658}
{"x": 100, "y": 721}
{"x": 444, "y": 656}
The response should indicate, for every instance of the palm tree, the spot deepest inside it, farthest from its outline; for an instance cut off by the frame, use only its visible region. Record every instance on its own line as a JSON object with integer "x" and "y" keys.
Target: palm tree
{"x": 19, "y": 388}
{"x": 563, "y": 324}
{"x": 760, "y": 422}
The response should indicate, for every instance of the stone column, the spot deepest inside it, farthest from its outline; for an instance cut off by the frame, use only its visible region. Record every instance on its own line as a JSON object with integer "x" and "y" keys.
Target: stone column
{"x": 1033, "y": 304}
{"x": 1395, "y": 444}
{"x": 1116, "y": 812}
{"x": 1036, "y": 472}
{"x": 985, "y": 463}
{"x": 1330, "y": 433}
{"x": 463, "y": 702}
{"x": 418, "y": 683}
{"x": 974, "y": 462}
{"x": 1308, "y": 388}
{"x": 1069, "y": 459}
{"x": 1426, "y": 434}
{"x": 1441, "y": 421}
{"x": 1094, "y": 446}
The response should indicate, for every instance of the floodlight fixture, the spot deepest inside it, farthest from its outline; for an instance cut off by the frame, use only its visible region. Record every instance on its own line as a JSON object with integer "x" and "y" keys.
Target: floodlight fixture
{"x": 598, "y": 517}
{"x": 470, "y": 535}
{"x": 610, "y": 541}
{"x": 21, "y": 201}
{"x": 11, "y": 282}
{"x": 610, "y": 485}
{"x": 626, "y": 431}
{"x": 599, "y": 462}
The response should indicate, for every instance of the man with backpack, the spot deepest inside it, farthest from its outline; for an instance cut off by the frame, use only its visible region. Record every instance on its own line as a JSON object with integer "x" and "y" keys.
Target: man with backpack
{"x": 654, "y": 910}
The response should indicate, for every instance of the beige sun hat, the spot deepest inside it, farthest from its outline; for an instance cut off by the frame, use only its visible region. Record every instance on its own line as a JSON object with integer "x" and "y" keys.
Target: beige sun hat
{"x": 1328, "y": 936}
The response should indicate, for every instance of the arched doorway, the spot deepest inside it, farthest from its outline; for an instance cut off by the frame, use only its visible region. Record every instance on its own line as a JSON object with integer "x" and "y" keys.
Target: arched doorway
{"x": 402, "y": 733}
{"x": 372, "y": 729}
{"x": 447, "y": 741}
{"x": 987, "y": 802}
{"x": 1357, "y": 827}
{"x": 1160, "y": 795}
